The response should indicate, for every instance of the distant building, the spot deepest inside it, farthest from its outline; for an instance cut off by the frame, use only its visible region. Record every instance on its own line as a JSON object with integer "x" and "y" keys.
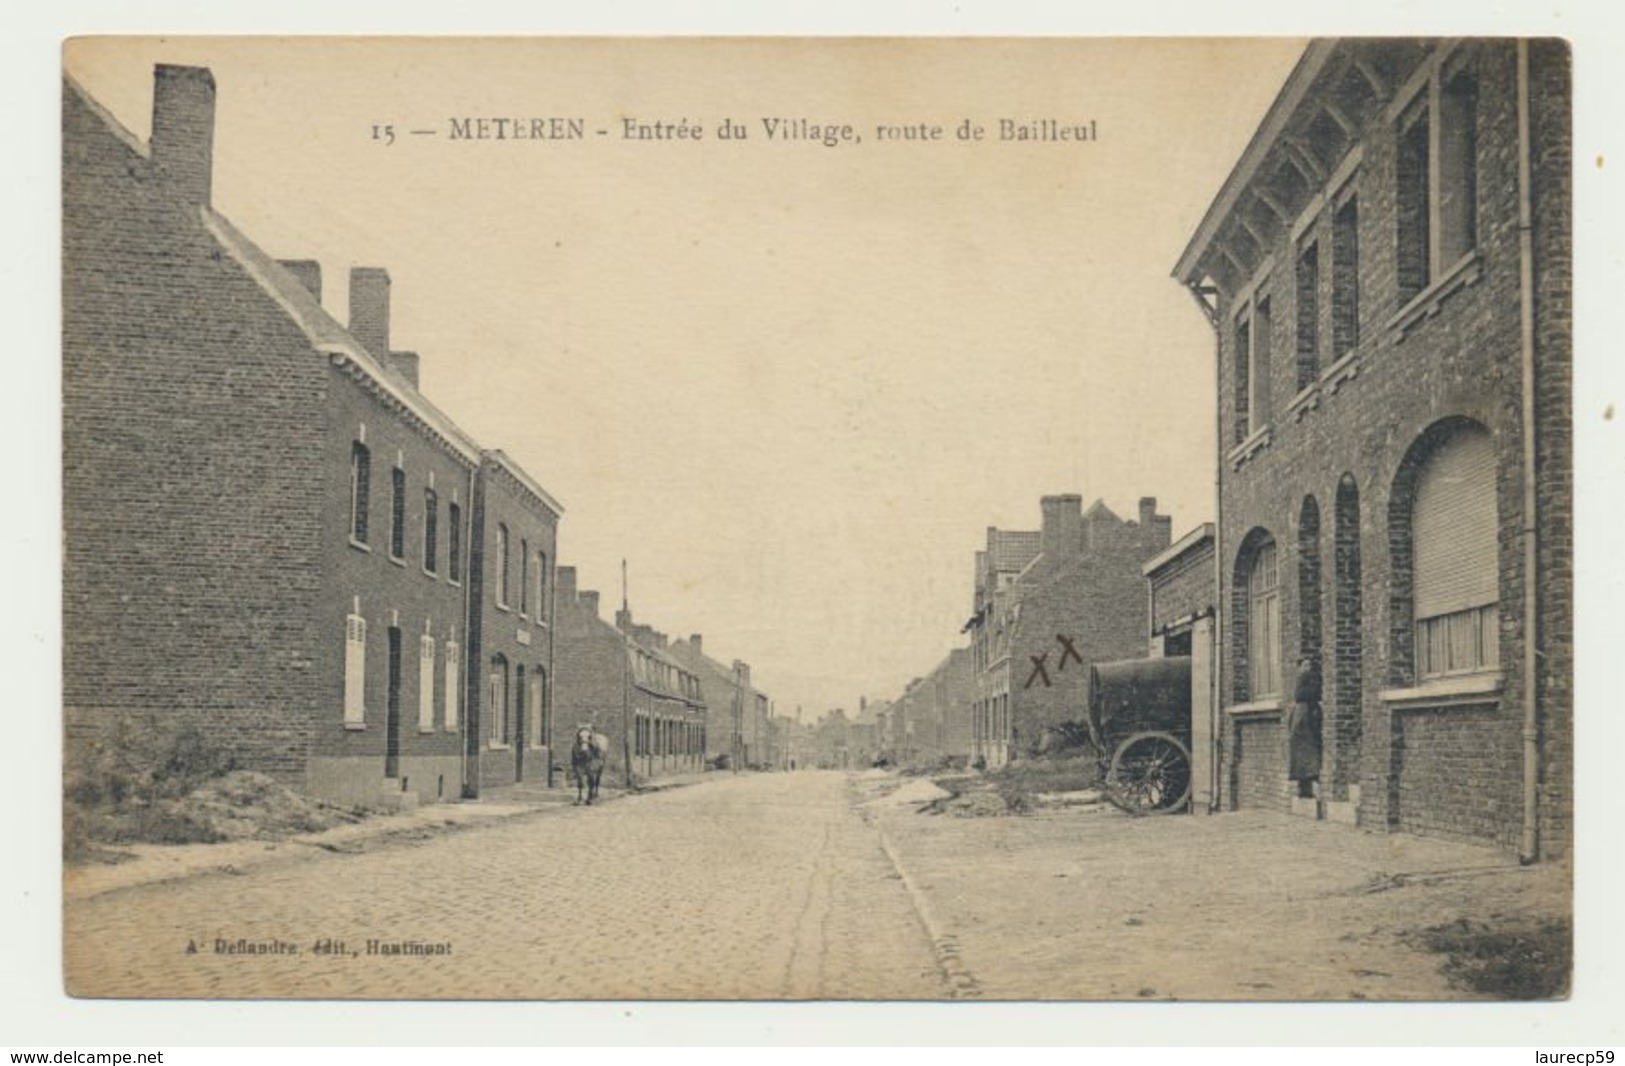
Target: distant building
{"x": 738, "y": 727}
{"x": 1388, "y": 272}
{"x": 271, "y": 536}
{"x": 620, "y": 681}
{"x": 1044, "y": 616}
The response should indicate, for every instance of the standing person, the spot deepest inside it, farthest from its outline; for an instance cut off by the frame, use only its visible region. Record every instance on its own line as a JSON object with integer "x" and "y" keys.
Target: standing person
{"x": 1303, "y": 728}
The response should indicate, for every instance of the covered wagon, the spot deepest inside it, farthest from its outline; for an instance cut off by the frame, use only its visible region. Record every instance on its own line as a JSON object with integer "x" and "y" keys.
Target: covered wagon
{"x": 1140, "y": 722}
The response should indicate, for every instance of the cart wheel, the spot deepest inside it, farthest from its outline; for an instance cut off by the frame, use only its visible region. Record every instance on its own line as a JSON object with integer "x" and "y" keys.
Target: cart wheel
{"x": 1150, "y": 774}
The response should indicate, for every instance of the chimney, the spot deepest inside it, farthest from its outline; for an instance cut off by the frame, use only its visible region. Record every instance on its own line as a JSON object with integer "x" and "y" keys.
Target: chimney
{"x": 183, "y": 129}
{"x": 369, "y": 309}
{"x": 564, "y": 583}
{"x": 589, "y": 603}
{"x": 1062, "y": 532}
{"x": 1148, "y": 512}
{"x": 697, "y": 642}
{"x": 308, "y": 272}
{"x": 407, "y": 364}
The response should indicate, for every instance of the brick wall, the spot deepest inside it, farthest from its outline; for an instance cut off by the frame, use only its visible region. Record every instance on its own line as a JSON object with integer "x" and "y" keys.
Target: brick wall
{"x": 1183, "y": 587}
{"x": 191, "y": 469}
{"x": 1098, "y": 603}
{"x": 590, "y": 680}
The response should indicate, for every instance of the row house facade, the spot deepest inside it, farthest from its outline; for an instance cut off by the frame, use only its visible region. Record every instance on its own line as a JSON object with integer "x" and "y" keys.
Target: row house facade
{"x": 1078, "y": 599}
{"x": 1387, "y": 270}
{"x": 740, "y": 731}
{"x": 620, "y": 681}
{"x": 932, "y": 720}
{"x": 268, "y": 528}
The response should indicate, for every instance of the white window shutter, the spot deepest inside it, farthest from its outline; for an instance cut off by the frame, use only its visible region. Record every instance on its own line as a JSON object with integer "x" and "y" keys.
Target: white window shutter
{"x": 355, "y": 670}
{"x": 426, "y": 683}
{"x": 454, "y": 659}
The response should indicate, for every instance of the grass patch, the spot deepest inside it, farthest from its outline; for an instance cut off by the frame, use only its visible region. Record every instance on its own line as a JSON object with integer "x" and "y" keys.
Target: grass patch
{"x": 1520, "y": 959}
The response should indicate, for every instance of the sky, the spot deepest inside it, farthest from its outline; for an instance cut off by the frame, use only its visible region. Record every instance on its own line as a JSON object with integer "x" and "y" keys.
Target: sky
{"x": 790, "y": 384}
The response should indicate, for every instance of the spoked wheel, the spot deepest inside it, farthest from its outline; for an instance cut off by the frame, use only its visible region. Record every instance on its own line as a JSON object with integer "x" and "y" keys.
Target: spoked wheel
{"x": 1150, "y": 774}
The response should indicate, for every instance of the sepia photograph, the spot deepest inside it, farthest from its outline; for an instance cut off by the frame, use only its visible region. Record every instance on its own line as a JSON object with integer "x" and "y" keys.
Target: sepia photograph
{"x": 791, "y": 519}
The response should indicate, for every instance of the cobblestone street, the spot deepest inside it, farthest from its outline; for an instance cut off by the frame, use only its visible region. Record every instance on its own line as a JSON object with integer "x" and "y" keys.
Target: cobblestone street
{"x": 815, "y": 885}
{"x": 751, "y": 887}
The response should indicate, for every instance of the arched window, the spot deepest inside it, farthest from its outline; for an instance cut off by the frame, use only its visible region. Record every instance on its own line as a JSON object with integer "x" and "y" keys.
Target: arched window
{"x": 502, "y": 565}
{"x": 431, "y": 531}
{"x": 524, "y": 576}
{"x": 1454, "y": 556}
{"x": 1257, "y": 632}
{"x": 498, "y": 703}
{"x": 360, "y": 490}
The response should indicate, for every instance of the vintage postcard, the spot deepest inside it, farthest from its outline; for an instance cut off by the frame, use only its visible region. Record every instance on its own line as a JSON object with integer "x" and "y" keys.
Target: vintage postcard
{"x": 825, "y": 519}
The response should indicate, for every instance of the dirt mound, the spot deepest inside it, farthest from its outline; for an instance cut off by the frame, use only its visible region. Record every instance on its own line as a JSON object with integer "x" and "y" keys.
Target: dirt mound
{"x": 244, "y": 804}
{"x": 982, "y": 803}
{"x": 918, "y": 791}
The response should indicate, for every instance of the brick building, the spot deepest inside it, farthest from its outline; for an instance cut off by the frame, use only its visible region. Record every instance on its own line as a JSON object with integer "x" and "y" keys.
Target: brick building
{"x": 265, "y": 522}
{"x": 1387, "y": 269}
{"x": 739, "y": 725}
{"x": 1077, "y": 599}
{"x": 621, "y": 681}
{"x": 953, "y": 692}
{"x": 511, "y": 734}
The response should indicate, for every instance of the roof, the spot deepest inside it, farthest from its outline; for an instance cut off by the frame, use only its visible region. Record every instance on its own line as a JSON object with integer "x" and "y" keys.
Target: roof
{"x": 1189, "y": 268}
{"x": 1098, "y": 509}
{"x": 529, "y": 483}
{"x": 1190, "y": 541}
{"x": 1012, "y": 550}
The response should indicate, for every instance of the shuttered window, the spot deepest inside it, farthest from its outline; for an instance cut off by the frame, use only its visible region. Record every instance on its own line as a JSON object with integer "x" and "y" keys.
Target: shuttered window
{"x": 426, "y": 683}
{"x": 1264, "y": 624}
{"x": 454, "y": 690}
{"x": 355, "y": 670}
{"x": 1456, "y": 578}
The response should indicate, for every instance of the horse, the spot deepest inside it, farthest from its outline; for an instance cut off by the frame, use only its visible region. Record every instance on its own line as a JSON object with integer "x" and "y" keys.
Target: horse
{"x": 587, "y": 764}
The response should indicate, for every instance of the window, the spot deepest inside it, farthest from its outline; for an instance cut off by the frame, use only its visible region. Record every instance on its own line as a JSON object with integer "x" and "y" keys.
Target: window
{"x": 1455, "y": 572}
{"x": 1263, "y": 624}
{"x": 524, "y": 576}
{"x": 454, "y": 550}
{"x": 1308, "y": 315}
{"x": 498, "y": 704}
{"x": 1345, "y": 278}
{"x": 541, "y": 586}
{"x": 431, "y": 520}
{"x": 502, "y": 566}
{"x": 425, "y": 683}
{"x": 1252, "y": 382}
{"x": 1437, "y": 176}
{"x": 454, "y": 686}
{"x": 355, "y": 670}
{"x": 360, "y": 488}
{"x": 397, "y": 524}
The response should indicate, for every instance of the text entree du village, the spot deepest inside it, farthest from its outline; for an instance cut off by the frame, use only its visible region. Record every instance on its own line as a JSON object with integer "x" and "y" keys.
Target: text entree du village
{"x": 776, "y": 130}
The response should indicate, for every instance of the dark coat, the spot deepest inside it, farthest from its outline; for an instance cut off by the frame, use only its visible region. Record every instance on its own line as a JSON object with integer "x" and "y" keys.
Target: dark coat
{"x": 1303, "y": 726}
